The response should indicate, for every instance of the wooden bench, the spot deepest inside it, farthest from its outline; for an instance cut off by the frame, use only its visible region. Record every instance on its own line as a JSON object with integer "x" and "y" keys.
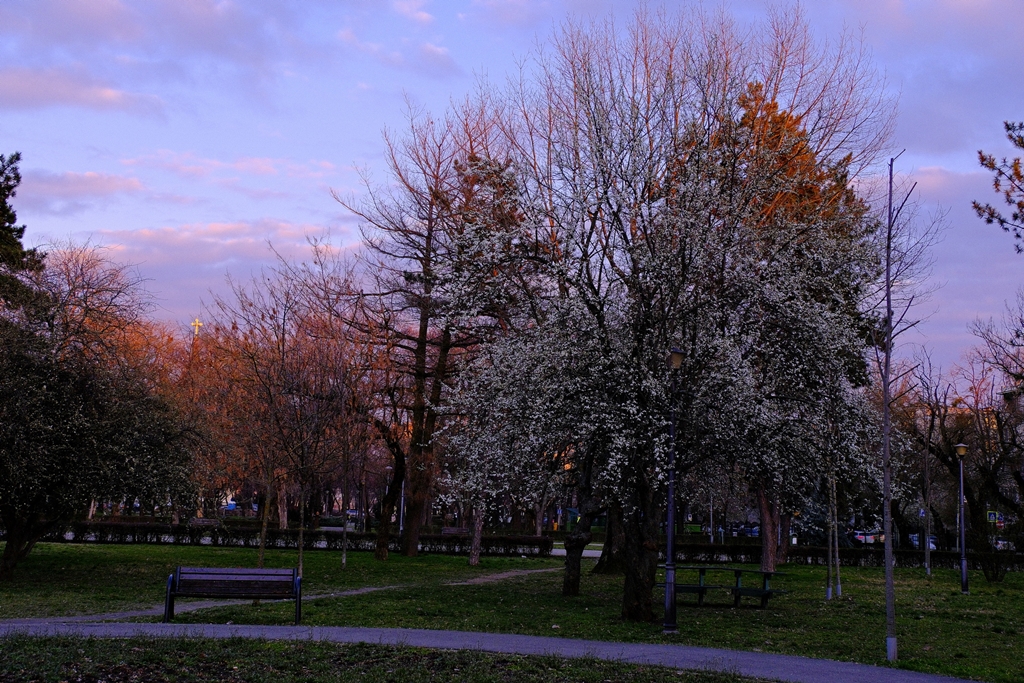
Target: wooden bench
{"x": 454, "y": 531}
{"x": 763, "y": 592}
{"x": 241, "y": 584}
{"x": 204, "y": 521}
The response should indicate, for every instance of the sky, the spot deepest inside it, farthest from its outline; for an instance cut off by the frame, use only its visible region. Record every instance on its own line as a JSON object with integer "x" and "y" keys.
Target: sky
{"x": 187, "y": 136}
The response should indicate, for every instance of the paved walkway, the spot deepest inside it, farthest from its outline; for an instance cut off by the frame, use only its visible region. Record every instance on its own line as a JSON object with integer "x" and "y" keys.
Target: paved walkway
{"x": 762, "y": 665}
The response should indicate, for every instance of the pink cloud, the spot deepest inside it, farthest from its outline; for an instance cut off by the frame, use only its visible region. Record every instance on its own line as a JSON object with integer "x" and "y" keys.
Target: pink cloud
{"x": 187, "y": 265}
{"x": 24, "y": 88}
{"x": 424, "y": 58}
{"x": 187, "y": 164}
{"x": 413, "y": 9}
{"x": 66, "y": 193}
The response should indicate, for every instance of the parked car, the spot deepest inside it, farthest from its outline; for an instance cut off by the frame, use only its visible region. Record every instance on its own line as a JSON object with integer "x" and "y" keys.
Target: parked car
{"x": 868, "y": 536}
{"x": 1003, "y": 544}
{"x": 915, "y": 541}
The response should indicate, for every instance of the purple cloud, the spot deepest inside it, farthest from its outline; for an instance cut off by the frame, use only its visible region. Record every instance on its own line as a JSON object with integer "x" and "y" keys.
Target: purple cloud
{"x": 25, "y": 88}
{"x": 505, "y": 13}
{"x": 188, "y": 264}
{"x": 413, "y": 9}
{"x": 189, "y": 165}
{"x": 67, "y": 193}
{"x": 424, "y": 58}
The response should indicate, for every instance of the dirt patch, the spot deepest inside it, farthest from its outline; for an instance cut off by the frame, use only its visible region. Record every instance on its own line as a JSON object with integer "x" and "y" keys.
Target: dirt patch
{"x": 502, "y": 576}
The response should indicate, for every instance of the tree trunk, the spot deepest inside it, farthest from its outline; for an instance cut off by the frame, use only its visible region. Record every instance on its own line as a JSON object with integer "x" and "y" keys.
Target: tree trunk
{"x": 387, "y": 508}
{"x": 613, "y": 554}
{"x": 641, "y": 553}
{"x": 768, "y": 509}
{"x": 577, "y": 540}
{"x": 575, "y": 543}
{"x": 21, "y": 537}
{"x": 538, "y": 517}
{"x": 415, "y": 506}
{"x": 478, "y": 532}
{"x": 344, "y": 521}
{"x": 786, "y": 523}
{"x": 302, "y": 526}
{"x": 282, "y": 507}
{"x": 265, "y": 514}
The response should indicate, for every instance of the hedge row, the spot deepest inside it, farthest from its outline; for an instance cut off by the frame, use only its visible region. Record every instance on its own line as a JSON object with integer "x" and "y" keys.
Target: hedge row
{"x": 246, "y": 537}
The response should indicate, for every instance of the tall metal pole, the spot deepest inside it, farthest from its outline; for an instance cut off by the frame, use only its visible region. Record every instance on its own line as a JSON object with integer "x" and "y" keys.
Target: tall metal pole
{"x": 401, "y": 510}
{"x": 670, "y": 523}
{"x": 927, "y": 542}
{"x": 964, "y": 586}
{"x": 890, "y": 589}
{"x": 711, "y": 517}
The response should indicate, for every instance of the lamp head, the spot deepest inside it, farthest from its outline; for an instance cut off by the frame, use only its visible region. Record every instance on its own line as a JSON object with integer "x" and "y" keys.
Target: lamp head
{"x": 674, "y": 359}
{"x": 960, "y": 449}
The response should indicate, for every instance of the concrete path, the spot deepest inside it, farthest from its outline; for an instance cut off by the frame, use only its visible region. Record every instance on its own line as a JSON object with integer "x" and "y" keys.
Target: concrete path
{"x": 761, "y": 665}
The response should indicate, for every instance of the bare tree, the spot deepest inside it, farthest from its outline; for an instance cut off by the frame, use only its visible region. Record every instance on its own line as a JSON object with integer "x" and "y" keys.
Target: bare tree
{"x": 434, "y": 245}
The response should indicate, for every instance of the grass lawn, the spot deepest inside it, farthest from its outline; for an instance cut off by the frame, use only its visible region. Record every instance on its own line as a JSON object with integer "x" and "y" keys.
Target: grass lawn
{"x": 181, "y": 661}
{"x": 67, "y": 579}
{"x": 977, "y": 636}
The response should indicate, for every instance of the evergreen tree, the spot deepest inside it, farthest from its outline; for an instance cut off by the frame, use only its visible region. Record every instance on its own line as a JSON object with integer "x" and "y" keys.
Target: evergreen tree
{"x": 1009, "y": 183}
{"x": 13, "y": 255}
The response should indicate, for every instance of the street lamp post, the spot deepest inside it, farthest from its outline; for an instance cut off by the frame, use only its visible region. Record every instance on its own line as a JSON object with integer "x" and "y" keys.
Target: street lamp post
{"x": 675, "y": 361}
{"x": 961, "y": 451}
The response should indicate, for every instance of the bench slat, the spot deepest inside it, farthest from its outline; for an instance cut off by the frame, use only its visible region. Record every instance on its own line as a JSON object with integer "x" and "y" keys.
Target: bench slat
{"x": 228, "y": 578}
{"x": 183, "y": 571}
{"x": 233, "y": 583}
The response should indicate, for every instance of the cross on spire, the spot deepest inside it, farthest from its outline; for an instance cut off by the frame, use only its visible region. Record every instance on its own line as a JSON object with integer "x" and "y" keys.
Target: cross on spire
{"x": 196, "y": 325}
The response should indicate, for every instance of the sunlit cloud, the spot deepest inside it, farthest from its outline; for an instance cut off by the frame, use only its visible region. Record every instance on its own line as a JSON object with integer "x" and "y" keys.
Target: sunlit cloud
{"x": 24, "y": 88}
{"x": 188, "y": 264}
{"x": 190, "y": 165}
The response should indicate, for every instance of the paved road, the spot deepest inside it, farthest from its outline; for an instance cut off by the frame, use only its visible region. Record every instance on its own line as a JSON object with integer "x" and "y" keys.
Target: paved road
{"x": 770, "y": 666}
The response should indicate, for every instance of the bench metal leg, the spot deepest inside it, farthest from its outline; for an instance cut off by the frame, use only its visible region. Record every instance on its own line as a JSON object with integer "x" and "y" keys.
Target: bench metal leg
{"x": 169, "y": 600}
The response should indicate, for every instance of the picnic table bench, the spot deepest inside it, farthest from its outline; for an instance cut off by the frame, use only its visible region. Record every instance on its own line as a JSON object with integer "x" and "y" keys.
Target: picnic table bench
{"x": 242, "y": 584}
{"x": 738, "y": 590}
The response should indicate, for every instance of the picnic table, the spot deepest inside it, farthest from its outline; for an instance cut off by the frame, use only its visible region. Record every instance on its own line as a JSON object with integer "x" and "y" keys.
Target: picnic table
{"x": 764, "y": 591}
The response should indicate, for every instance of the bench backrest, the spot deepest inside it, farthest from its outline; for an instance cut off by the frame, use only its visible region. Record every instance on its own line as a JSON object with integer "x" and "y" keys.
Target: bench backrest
{"x": 223, "y": 582}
